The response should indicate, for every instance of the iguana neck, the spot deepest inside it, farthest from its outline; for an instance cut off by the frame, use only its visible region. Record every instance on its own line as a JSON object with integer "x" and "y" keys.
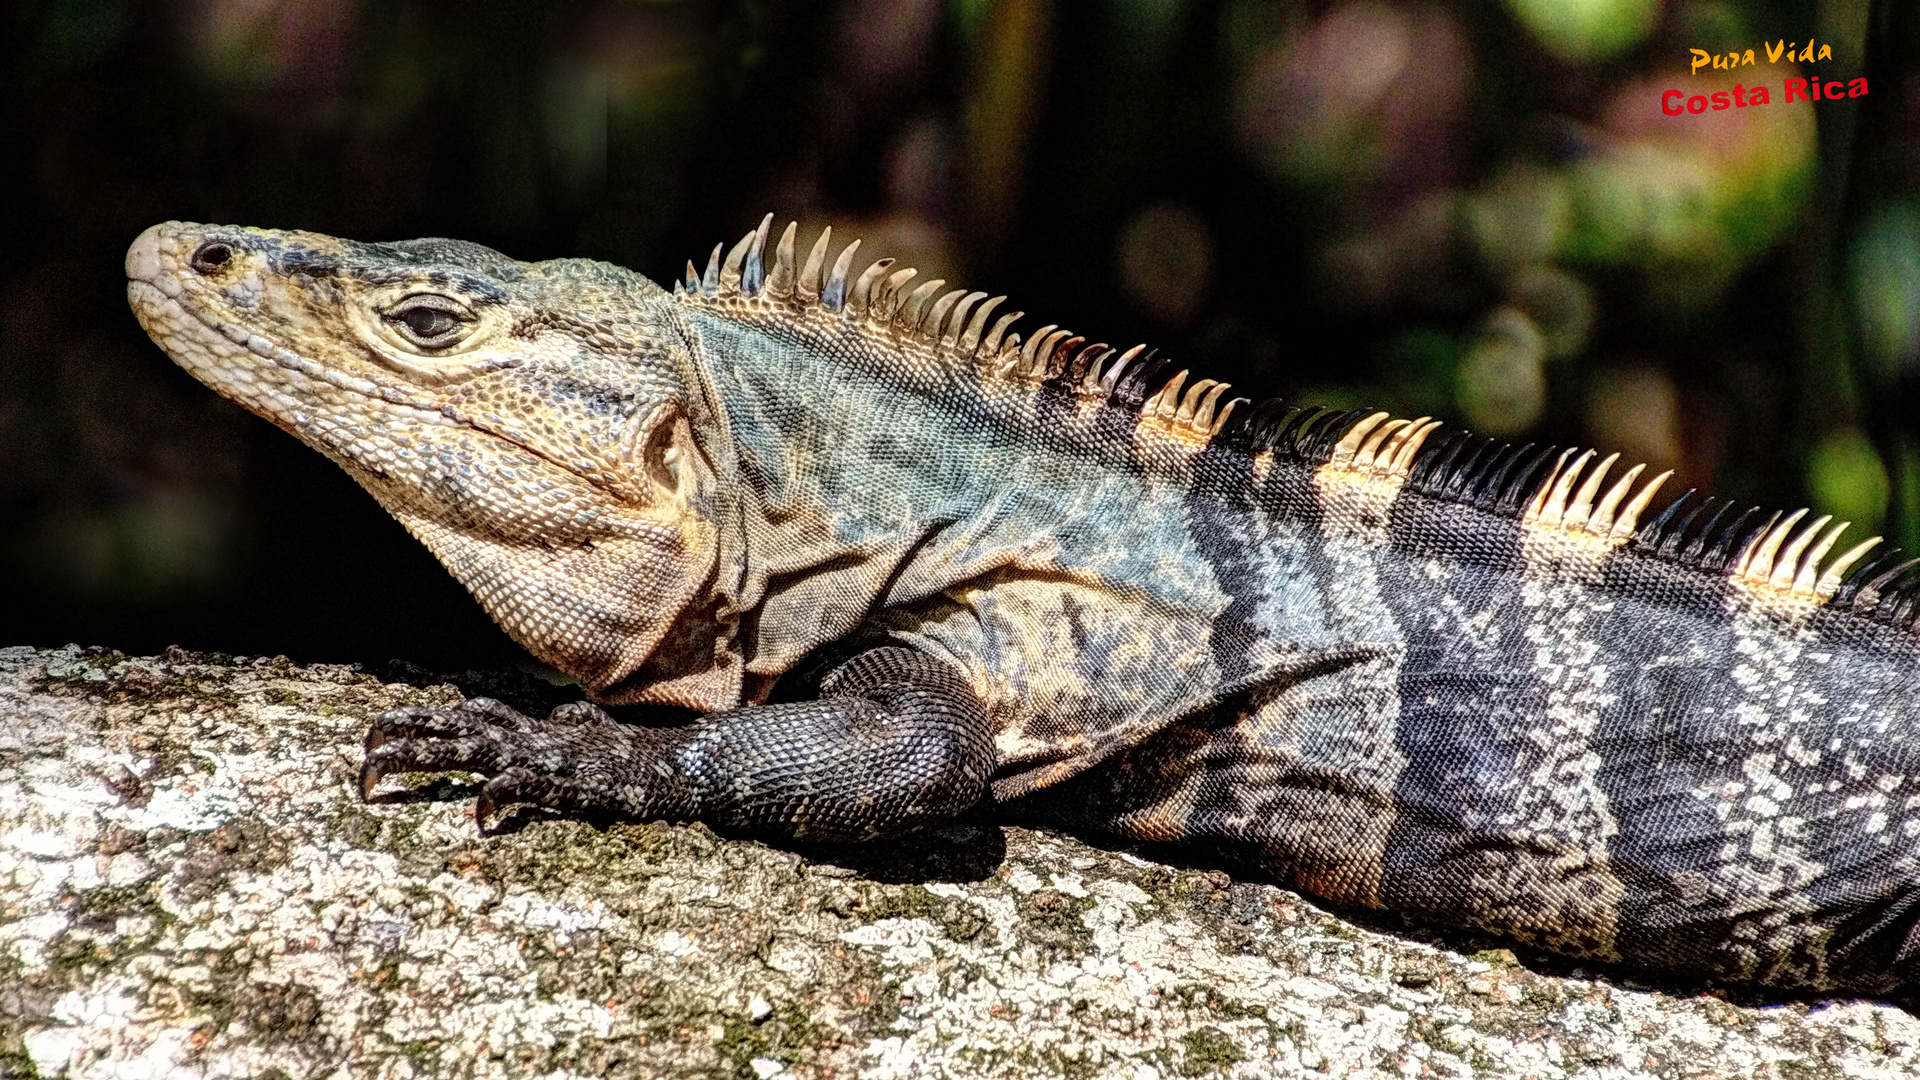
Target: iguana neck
{"x": 846, "y": 497}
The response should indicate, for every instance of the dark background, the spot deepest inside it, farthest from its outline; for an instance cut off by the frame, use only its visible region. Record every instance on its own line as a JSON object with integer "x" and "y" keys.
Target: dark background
{"x": 1473, "y": 209}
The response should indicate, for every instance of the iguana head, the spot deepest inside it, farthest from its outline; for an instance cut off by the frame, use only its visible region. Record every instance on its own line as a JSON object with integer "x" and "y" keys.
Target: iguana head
{"x": 530, "y": 422}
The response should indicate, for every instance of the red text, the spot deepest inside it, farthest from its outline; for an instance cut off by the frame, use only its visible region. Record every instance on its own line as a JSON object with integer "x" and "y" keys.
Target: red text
{"x": 1831, "y": 90}
{"x": 1678, "y": 102}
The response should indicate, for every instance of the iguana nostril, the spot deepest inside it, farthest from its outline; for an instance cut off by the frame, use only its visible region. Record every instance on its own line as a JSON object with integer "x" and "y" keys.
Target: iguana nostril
{"x": 211, "y": 256}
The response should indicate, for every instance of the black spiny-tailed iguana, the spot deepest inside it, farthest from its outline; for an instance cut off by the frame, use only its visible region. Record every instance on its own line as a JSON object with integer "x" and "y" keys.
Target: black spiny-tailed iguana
{"x": 905, "y": 561}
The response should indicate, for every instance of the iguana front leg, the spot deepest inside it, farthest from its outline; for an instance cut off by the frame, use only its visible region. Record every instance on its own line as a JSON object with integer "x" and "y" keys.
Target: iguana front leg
{"x": 895, "y": 742}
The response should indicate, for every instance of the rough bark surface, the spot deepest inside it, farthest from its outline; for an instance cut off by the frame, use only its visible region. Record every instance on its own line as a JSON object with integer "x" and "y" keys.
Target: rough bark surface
{"x": 190, "y": 886}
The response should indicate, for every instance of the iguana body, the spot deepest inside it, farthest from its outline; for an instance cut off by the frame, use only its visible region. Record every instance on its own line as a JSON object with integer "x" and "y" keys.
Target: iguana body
{"x": 905, "y": 561}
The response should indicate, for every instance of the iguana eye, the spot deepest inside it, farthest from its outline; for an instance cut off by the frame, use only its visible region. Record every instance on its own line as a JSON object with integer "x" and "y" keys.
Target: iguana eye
{"x": 430, "y": 321}
{"x": 210, "y": 257}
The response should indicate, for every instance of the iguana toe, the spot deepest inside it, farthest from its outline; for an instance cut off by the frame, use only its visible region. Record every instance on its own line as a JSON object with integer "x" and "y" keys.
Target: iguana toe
{"x": 578, "y": 759}
{"x": 565, "y": 794}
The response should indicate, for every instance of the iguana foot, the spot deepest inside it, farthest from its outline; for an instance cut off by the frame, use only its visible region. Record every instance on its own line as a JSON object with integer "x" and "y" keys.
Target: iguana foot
{"x": 897, "y": 741}
{"x": 578, "y": 760}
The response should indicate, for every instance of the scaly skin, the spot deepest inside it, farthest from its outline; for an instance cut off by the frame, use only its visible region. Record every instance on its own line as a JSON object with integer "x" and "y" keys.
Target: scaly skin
{"x": 1394, "y": 669}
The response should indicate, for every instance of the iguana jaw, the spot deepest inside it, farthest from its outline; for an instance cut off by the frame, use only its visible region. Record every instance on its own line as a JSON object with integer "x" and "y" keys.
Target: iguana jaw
{"x": 580, "y": 516}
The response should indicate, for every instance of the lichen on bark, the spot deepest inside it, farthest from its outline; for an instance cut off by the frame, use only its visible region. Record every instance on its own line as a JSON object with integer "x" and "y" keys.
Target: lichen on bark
{"x": 190, "y": 886}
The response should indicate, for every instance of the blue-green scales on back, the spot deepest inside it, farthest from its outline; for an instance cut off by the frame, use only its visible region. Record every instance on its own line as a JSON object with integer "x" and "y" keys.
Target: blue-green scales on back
{"x": 907, "y": 560}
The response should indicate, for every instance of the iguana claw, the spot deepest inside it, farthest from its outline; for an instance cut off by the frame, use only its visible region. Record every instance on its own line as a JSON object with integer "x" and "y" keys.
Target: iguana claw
{"x": 579, "y": 759}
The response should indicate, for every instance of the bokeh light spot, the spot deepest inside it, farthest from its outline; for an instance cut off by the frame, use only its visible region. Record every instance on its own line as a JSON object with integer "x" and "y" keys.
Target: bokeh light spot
{"x": 1520, "y": 218}
{"x": 1586, "y": 29}
{"x": 1635, "y": 409}
{"x": 1848, "y": 479}
{"x": 1560, "y": 304}
{"x": 1165, "y": 261}
{"x": 1886, "y": 286}
{"x": 1502, "y": 388}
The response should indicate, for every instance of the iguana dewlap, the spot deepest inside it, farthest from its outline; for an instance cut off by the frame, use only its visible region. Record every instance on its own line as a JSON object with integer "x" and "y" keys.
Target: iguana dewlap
{"x": 1395, "y": 667}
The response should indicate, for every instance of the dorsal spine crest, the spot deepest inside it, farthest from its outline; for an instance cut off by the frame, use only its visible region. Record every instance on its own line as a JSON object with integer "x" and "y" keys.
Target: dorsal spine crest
{"x": 1571, "y": 497}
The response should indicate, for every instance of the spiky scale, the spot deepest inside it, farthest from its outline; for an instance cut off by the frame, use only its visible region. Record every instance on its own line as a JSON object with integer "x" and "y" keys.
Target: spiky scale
{"x": 1051, "y": 355}
{"x": 733, "y": 271}
{"x": 834, "y": 296}
{"x": 780, "y": 280}
{"x": 991, "y": 345}
{"x": 970, "y": 340}
{"x": 710, "y": 284}
{"x": 914, "y": 307}
{"x": 753, "y": 273}
{"x": 936, "y": 317}
{"x": 810, "y": 285}
{"x": 860, "y": 298}
{"x": 1663, "y": 534}
{"x": 958, "y": 325}
{"x": 1723, "y": 545}
{"x": 887, "y": 299}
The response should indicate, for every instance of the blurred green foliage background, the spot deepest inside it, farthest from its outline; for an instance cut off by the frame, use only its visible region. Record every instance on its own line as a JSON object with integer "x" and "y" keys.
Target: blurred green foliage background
{"x": 1475, "y": 210}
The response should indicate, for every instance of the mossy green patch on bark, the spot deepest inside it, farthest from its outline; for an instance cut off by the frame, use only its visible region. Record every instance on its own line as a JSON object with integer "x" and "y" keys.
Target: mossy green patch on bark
{"x": 1206, "y": 1050}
